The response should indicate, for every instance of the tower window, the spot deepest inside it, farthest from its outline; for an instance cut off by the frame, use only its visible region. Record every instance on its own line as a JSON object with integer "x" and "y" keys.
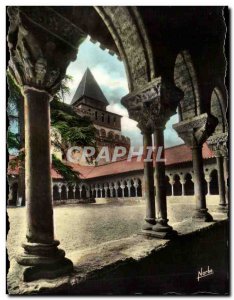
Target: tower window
{"x": 108, "y": 119}
{"x": 96, "y": 115}
{"x": 114, "y": 120}
{"x": 102, "y": 117}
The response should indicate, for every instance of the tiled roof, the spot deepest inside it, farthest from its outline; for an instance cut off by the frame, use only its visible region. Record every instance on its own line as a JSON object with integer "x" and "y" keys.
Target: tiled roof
{"x": 173, "y": 155}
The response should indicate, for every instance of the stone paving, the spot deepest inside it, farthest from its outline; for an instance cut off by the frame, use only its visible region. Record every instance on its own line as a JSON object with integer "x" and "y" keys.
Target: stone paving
{"x": 80, "y": 226}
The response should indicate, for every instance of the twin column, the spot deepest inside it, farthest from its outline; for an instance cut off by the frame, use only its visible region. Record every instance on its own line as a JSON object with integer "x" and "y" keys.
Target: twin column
{"x": 156, "y": 219}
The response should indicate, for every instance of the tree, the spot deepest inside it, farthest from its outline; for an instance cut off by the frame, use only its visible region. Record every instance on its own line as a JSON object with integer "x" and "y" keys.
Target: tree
{"x": 74, "y": 129}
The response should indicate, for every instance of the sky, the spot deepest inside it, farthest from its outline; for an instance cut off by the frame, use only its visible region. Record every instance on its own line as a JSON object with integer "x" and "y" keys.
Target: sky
{"x": 110, "y": 74}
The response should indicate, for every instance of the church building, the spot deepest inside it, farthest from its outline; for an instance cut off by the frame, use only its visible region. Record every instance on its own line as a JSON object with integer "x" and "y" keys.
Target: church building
{"x": 90, "y": 101}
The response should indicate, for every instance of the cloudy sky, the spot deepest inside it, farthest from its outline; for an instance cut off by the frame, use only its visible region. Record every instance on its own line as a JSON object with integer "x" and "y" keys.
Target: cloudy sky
{"x": 110, "y": 74}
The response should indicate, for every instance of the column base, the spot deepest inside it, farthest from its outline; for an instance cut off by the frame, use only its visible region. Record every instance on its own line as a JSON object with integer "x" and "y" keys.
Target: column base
{"x": 223, "y": 207}
{"x": 50, "y": 271}
{"x": 42, "y": 261}
{"x": 161, "y": 230}
{"x": 160, "y": 235}
{"x": 149, "y": 223}
{"x": 202, "y": 215}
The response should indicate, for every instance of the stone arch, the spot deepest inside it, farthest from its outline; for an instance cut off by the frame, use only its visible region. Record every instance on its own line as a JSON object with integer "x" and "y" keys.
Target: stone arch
{"x": 189, "y": 185}
{"x": 139, "y": 187}
{"x": 168, "y": 185}
{"x": 83, "y": 192}
{"x": 132, "y": 189}
{"x": 77, "y": 192}
{"x": 177, "y": 185}
{"x": 185, "y": 78}
{"x": 70, "y": 192}
{"x": 214, "y": 187}
{"x": 56, "y": 195}
{"x": 218, "y": 109}
{"x": 125, "y": 189}
{"x": 127, "y": 29}
{"x": 63, "y": 192}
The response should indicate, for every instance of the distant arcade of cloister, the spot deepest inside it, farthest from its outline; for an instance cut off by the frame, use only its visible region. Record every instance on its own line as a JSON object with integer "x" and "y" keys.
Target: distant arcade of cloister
{"x": 130, "y": 184}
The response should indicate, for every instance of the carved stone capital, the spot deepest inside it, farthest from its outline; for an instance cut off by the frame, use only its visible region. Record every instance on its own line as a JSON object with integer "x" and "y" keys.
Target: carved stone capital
{"x": 42, "y": 44}
{"x": 195, "y": 131}
{"x": 154, "y": 104}
{"x": 218, "y": 144}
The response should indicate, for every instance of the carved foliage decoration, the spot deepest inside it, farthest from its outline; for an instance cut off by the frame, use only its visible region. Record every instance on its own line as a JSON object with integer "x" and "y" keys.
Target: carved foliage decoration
{"x": 153, "y": 105}
{"x": 38, "y": 55}
{"x": 197, "y": 130}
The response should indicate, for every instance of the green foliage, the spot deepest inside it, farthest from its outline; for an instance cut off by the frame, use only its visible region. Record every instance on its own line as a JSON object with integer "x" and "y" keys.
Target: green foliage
{"x": 66, "y": 171}
{"x": 74, "y": 130}
{"x": 13, "y": 140}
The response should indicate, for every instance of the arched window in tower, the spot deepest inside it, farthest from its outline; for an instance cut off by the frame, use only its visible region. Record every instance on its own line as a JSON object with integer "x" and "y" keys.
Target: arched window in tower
{"x": 108, "y": 119}
{"x": 114, "y": 120}
{"x": 96, "y": 116}
{"x": 102, "y": 117}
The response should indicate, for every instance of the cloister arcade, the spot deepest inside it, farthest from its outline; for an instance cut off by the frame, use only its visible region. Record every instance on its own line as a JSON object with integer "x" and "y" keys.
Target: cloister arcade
{"x": 173, "y": 59}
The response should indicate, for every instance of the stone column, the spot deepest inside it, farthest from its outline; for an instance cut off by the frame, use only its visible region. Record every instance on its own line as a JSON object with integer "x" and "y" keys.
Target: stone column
{"x": 111, "y": 191}
{"x": 217, "y": 142}
{"x": 60, "y": 192}
{"x": 40, "y": 52}
{"x": 151, "y": 106}
{"x": 226, "y": 168}
{"x": 129, "y": 188}
{"x": 148, "y": 182}
{"x": 208, "y": 180}
{"x": 87, "y": 192}
{"x": 221, "y": 181}
{"x": 136, "y": 186}
{"x": 183, "y": 186}
{"x": 106, "y": 189}
{"x": 195, "y": 132}
{"x": 199, "y": 179}
{"x": 74, "y": 191}
{"x": 122, "y": 188}
{"x": 96, "y": 192}
{"x": 172, "y": 182}
{"x": 40, "y": 248}
{"x": 161, "y": 227}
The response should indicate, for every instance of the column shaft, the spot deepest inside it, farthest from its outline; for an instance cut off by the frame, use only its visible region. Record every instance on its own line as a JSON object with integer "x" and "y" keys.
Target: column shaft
{"x": 183, "y": 190}
{"x": 149, "y": 184}
{"x": 160, "y": 182}
{"x": 40, "y": 227}
{"x": 199, "y": 179}
{"x": 221, "y": 181}
{"x": 40, "y": 249}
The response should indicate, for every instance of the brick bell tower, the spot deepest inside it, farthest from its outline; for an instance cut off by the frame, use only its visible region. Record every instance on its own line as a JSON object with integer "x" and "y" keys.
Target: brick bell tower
{"x": 90, "y": 101}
